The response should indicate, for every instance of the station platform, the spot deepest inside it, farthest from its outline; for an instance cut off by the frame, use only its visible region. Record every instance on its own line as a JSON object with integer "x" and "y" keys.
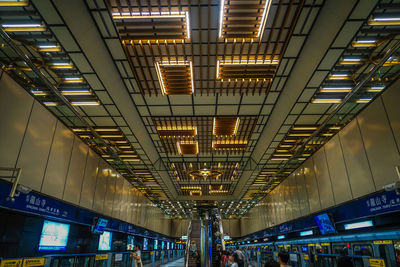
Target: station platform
{"x": 177, "y": 263}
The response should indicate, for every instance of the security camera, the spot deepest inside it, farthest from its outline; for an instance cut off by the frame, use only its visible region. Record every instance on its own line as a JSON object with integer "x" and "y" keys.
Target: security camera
{"x": 23, "y": 189}
{"x": 393, "y": 186}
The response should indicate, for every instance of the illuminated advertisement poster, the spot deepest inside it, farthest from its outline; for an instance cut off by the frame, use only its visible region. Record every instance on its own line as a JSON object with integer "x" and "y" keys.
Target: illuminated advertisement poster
{"x": 54, "y": 236}
{"x": 105, "y": 241}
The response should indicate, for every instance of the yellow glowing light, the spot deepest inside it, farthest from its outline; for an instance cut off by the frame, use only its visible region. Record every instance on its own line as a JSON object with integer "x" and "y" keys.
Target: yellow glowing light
{"x": 76, "y": 92}
{"x": 85, "y": 103}
{"x": 50, "y": 104}
{"x": 304, "y": 128}
{"x": 326, "y": 101}
{"x": 13, "y": 3}
{"x": 73, "y": 80}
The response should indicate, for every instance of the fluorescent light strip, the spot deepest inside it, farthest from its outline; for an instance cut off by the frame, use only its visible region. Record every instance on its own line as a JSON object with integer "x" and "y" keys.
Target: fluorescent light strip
{"x": 85, "y": 103}
{"x": 363, "y": 100}
{"x": 50, "y": 104}
{"x": 38, "y": 92}
{"x": 336, "y": 89}
{"x": 358, "y": 225}
{"x": 13, "y": 3}
{"x": 221, "y": 17}
{"x": 326, "y": 100}
{"x": 264, "y": 17}
{"x": 339, "y": 76}
{"x": 306, "y": 233}
{"x": 384, "y": 21}
{"x": 49, "y": 48}
{"x": 23, "y": 27}
{"x": 376, "y": 88}
{"x": 160, "y": 78}
{"x": 76, "y": 92}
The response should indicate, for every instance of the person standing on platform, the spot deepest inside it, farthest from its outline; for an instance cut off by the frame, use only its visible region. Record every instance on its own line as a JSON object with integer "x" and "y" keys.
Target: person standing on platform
{"x": 283, "y": 259}
{"x": 137, "y": 256}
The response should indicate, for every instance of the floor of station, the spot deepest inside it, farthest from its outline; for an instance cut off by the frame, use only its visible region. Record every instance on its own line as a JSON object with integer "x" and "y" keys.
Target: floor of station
{"x": 177, "y": 263}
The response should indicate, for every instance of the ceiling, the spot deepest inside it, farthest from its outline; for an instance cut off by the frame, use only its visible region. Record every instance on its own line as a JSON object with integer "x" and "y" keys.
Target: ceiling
{"x": 202, "y": 102}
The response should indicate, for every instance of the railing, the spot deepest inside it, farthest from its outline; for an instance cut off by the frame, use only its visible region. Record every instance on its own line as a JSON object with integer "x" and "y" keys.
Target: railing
{"x": 106, "y": 259}
{"x": 187, "y": 249}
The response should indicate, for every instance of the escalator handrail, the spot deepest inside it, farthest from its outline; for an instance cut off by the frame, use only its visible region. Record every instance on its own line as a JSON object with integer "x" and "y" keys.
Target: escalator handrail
{"x": 187, "y": 249}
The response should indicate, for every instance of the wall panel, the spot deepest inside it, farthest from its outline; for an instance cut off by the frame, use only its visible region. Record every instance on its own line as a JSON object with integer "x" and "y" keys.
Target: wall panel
{"x": 14, "y": 117}
{"x": 36, "y": 147}
{"x": 323, "y": 179}
{"x": 101, "y": 187}
{"x": 391, "y": 104}
{"x": 302, "y": 192}
{"x": 356, "y": 160}
{"x": 76, "y": 170}
{"x": 89, "y": 180}
{"x": 337, "y": 171}
{"x": 118, "y": 196}
{"x": 379, "y": 144}
{"x": 311, "y": 186}
{"x": 109, "y": 197}
{"x": 58, "y": 163}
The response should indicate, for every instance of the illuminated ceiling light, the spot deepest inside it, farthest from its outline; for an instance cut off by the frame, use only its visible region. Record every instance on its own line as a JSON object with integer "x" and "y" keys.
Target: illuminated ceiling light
{"x": 49, "y": 48}
{"x": 365, "y": 43}
{"x": 304, "y": 128}
{"x": 350, "y": 61}
{"x": 112, "y": 136}
{"x": 61, "y": 65}
{"x": 339, "y": 76}
{"x": 299, "y": 134}
{"x": 85, "y": 103}
{"x": 131, "y": 160}
{"x": 198, "y": 188}
{"x": 261, "y": 26}
{"x": 163, "y": 76}
{"x": 13, "y": 3}
{"x": 384, "y": 21}
{"x": 264, "y": 17}
{"x": 335, "y": 128}
{"x": 187, "y": 147}
{"x": 39, "y": 92}
{"x": 229, "y": 144}
{"x": 30, "y": 27}
{"x": 195, "y": 193}
{"x": 336, "y": 89}
{"x": 391, "y": 62}
{"x": 326, "y": 100}
{"x": 106, "y": 129}
{"x": 73, "y": 80}
{"x": 225, "y": 126}
{"x": 177, "y": 131}
{"x": 155, "y": 15}
{"x": 363, "y": 100}
{"x": 376, "y": 88}
{"x": 279, "y": 159}
{"x": 50, "y": 104}
{"x": 76, "y": 92}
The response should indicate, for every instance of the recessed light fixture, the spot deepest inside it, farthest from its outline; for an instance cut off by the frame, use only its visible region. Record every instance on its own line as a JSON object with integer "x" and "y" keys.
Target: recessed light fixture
{"x": 350, "y": 61}
{"x": 336, "y": 89}
{"x": 339, "y": 76}
{"x": 76, "y": 92}
{"x": 73, "y": 80}
{"x": 363, "y": 100}
{"x": 28, "y": 27}
{"x": 365, "y": 43}
{"x": 85, "y": 103}
{"x": 50, "y": 103}
{"x": 376, "y": 88}
{"x": 326, "y": 100}
{"x": 49, "y": 48}
{"x": 13, "y": 3}
{"x": 384, "y": 21}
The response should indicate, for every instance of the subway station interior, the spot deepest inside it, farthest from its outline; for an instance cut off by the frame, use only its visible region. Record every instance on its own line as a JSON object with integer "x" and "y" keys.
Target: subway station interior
{"x": 212, "y": 133}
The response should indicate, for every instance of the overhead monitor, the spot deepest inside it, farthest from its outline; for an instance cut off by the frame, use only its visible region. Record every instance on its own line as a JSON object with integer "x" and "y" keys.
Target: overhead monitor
{"x": 54, "y": 236}
{"x": 130, "y": 244}
{"x": 105, "y": 241}
{"x": 325, "y": 224}
{"x": 145, "y": 244}
{"x": 99, "y": 224}
{"x": 155, "y": 244}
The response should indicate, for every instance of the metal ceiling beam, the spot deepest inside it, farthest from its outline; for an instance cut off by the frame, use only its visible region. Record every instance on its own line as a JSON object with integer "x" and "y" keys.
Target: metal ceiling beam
{"x": 328, "y": 24}
{"x": 83, "y": 28}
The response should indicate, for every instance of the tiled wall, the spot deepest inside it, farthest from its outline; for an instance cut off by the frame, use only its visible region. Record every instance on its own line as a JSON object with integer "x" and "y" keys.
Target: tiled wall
{"x": 57, "y": 163}
{"x": 359, "y": 160}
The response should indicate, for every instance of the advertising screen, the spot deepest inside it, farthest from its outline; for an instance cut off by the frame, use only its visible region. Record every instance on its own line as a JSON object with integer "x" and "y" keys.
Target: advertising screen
{"x": 99, "y": 225}
{"x": 325, "y": 224}
{"x": 162, "y": 245}
{"x": 145, "y": 244}
{"x": 105, "y": 241}
{"x": 54, "y": 236}
{"x": 130, "y": 243}
{"x": 155, "y": 244}
{"x": 167, "y": 245}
